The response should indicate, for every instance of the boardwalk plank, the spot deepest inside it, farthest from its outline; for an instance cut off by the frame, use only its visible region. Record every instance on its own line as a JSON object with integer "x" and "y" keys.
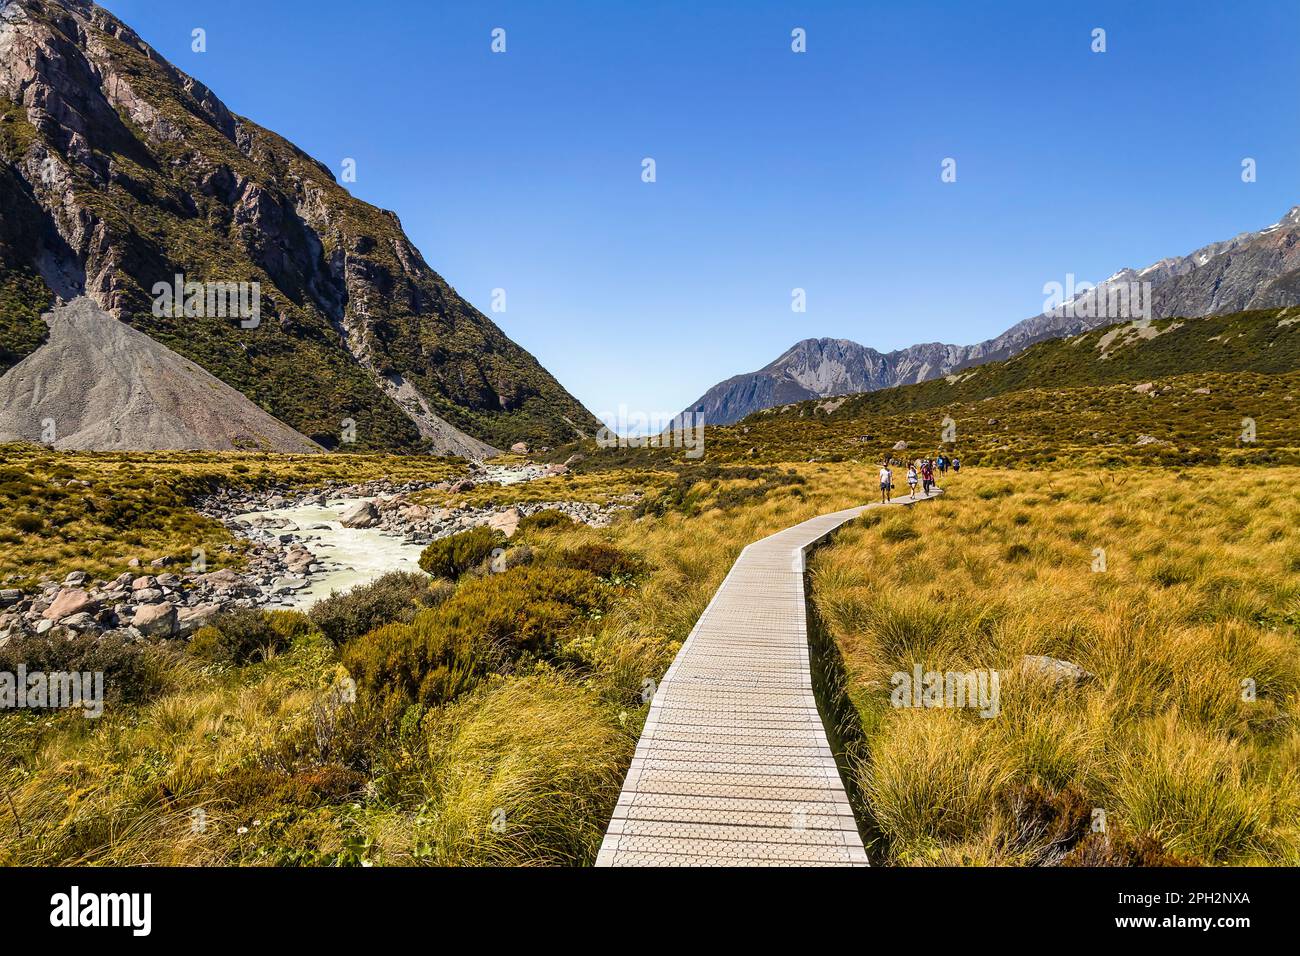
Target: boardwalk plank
{"x": 733, "y": 767}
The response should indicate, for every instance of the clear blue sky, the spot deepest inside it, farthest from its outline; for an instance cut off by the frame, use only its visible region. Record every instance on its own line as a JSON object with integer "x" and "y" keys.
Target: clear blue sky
{"x": 775, "y": 170}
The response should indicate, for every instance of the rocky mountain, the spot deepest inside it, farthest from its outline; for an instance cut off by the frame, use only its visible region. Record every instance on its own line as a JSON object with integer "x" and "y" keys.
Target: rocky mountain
{"x": 1255, "y": 270}
{"x": 118, "y": 173}
{"x": 98, "y": 384}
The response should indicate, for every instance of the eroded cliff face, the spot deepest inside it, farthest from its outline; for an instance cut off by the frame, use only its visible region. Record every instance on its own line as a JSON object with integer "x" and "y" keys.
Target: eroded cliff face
{"x": 120, "y": 171}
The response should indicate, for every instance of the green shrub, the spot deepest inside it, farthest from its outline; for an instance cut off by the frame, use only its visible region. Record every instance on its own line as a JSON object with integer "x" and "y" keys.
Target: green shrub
{"x": 134, "y": 672}
{"x": 453, "y": 556}
{"x": 238, "y": 637}
{"x": 28, "y": 523}
{"x": 545, "y": 519}
{"x": 487, "y": 624}
{"x": 604, "y": 561}
{"x": 346, "y": 615}
{"x": 292, "y": 626}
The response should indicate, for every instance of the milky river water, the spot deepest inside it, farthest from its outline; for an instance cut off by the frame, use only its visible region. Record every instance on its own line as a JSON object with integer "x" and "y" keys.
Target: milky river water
{"x": 351, "y": 556}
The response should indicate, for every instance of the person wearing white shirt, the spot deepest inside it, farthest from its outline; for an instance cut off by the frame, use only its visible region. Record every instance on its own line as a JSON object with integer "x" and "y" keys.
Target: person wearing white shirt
{"x": 886, "y": 482}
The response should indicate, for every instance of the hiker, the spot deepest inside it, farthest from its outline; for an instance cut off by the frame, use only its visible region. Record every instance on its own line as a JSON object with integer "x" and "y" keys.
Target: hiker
{"x": 927, "y": 476}
{"x": 912, "y": 478}
{"x": 886, "y": 482}
{"x": 943, "y": 464}
{"x": 956, "y": 464}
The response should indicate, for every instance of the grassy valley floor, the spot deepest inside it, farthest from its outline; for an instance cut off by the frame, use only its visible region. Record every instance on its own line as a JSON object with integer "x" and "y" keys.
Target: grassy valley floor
{"x": 1177, "y": 591}
{"x": 471, "y": 717}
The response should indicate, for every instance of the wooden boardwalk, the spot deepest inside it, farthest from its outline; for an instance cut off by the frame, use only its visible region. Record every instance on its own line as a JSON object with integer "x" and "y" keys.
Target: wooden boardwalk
{"x": 733, "y": 767}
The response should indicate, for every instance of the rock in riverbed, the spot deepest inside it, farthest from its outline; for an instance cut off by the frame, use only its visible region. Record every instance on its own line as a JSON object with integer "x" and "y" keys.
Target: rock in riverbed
{"x": 361, "y": 515}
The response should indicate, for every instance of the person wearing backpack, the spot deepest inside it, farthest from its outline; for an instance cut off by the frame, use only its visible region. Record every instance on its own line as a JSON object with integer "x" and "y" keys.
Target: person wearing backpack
{"x": 927, "y": 476}
{"x": 886, "y": 482}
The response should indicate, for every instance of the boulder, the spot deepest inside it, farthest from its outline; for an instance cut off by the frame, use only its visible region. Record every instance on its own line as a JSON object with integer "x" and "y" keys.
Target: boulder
{"x": 75, "y": 579}
{"x": 83, "y": 621}
{"x": 506, "y": 522}
{"x": 1201, "y": 391}
{"x": 190, "y": 619}
{"x": 69, "y": 601}
{"x": 142, "y": 582}
{"x": 900, "y": 446}
{"x": 1145, "y": 388}
{"x": 462, "y": 486}
{"x": 573, "y": 460}
{"x": 1054, "y": 669}
{"x": 363, "y": 514}
{"x": 10, "y": 596}
{"x": 147, "y": 595}
{"x": 519, "y": 448}
{"x": 223, "y": 580}
{"x": 155, "y": 620}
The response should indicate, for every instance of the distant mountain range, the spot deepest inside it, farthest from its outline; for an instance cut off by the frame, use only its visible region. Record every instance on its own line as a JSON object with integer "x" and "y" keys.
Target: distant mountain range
{"x": 1179, "y": 388}
{"x": 119, "y": 172}
{"x": 1255, "y": 270}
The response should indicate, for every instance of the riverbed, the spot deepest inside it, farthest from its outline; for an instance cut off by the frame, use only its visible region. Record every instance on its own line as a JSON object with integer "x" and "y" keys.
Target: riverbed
{"x": 351, "y": 556}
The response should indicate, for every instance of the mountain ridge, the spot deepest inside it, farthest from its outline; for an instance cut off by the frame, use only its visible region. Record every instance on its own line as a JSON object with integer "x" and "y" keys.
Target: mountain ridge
{"x": 1208, "y": 280}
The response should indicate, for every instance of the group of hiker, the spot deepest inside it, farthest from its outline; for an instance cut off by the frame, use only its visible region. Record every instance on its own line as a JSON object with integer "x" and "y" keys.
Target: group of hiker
{"x": 922, "y": 471}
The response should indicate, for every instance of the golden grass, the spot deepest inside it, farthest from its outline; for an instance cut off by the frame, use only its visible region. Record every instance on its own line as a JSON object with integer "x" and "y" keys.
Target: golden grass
{"x": 1199, "y": 593}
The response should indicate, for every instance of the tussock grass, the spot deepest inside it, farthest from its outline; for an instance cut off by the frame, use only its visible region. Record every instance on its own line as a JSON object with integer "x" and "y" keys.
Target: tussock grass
{"x": 1195, "y": 599}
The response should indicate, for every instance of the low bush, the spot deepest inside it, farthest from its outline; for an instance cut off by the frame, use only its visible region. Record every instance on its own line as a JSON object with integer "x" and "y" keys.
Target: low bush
{"x": 134, "y": 671}
{"x": 544, "y": 520}
{"x": 603, "y": 560}
{"x": 240, "y": 637}
{"x": 487, "y": 624}
{"x": 452, "y": 556}
{"x": 346, "y": 615}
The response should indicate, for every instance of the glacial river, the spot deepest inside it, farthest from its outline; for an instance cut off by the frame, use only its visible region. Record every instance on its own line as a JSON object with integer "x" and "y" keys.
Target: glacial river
{"x": 353, "y": 556}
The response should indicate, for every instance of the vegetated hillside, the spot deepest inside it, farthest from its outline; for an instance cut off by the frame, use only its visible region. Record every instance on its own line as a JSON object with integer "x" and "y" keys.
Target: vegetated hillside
{"x": 118, "y": 171}
{"x": 1084, "y": 395}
